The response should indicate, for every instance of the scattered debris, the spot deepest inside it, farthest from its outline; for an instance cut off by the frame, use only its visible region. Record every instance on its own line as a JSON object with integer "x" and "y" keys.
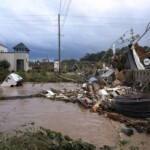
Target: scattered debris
{"x": 48, "y": 93}
{"x": 112, "y": 101}
{"x": 86, "y": 102}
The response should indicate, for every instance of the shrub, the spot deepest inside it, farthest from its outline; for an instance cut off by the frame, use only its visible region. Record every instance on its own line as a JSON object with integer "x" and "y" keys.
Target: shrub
{"x": 4, "y": 64}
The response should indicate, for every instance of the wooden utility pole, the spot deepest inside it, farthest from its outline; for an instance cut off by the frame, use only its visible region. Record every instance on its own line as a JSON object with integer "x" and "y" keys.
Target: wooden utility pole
{"x": 59, "y": 41}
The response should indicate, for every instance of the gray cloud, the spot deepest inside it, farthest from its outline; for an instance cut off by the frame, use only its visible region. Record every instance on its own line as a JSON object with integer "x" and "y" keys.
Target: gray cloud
{"x": 90, "y": 26}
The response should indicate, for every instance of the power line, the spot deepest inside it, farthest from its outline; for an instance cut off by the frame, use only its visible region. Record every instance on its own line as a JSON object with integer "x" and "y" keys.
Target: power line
{"x": 84, "y": 26}
{"x": 63, "y": 7}
{"x": 103, "y": 24}
{"x": 59, "y": 31}
{"x": 67, "y": 7}
{"x": 27, "y": 20}
{"x": 70, "y": 16}
{"x": 104, "y": 21}
{"x": 26, "y": 15}
{"x": 60, "y": 6}
{"x": 67, "y": 10}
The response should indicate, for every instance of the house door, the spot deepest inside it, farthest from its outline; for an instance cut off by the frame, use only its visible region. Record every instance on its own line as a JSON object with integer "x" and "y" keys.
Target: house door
{"x": 20, "y": 64}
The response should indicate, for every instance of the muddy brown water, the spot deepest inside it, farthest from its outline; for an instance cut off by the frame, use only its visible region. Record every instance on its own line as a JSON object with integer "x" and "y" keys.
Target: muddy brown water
{"x": 68, "y": 118}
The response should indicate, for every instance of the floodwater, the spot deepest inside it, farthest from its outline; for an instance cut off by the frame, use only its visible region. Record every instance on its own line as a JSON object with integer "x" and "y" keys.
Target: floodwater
{"x": 67, "y": 118}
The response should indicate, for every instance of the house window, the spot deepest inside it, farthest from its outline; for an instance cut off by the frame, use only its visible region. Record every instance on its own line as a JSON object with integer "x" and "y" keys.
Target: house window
{"x": 20, "y": 64}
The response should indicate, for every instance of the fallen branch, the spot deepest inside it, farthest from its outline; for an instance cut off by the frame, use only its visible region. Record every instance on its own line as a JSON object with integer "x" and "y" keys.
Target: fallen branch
{"x": 69, "y": 79}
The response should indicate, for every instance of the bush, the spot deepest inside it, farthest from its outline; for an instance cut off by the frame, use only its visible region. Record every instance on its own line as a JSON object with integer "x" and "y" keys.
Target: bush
{"x": 4, "y": 64}
{"x": 3, "y": 74}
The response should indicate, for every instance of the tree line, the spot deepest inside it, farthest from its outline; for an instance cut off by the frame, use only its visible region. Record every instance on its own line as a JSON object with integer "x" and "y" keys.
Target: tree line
{"x": 108, "y": 54}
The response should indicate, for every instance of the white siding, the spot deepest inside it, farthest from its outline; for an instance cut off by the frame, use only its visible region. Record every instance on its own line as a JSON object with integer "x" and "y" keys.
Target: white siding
{"x": 3, "y": 48}
{"x": 12, "y": 59}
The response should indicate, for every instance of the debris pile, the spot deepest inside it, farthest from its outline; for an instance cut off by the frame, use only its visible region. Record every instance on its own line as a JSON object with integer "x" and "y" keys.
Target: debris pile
{"x": 109, "y": 96}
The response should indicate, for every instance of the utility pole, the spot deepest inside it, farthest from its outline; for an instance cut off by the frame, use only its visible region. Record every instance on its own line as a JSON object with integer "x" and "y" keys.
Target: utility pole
{"x": 59, "y": 41}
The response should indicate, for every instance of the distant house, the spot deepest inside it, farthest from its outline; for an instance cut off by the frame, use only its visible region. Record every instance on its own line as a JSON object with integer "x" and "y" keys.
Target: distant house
{"x": 43, "y": 65}
{"x": 18, "y": 59}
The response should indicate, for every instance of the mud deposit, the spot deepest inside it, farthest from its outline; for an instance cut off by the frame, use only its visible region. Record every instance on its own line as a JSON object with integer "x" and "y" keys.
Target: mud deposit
{"x": 68, "y": 118}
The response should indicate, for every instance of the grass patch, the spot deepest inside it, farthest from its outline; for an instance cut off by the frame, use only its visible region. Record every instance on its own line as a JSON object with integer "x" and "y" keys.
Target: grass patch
{"x": 45, "y": 76}
{"x": 43, "y": 139}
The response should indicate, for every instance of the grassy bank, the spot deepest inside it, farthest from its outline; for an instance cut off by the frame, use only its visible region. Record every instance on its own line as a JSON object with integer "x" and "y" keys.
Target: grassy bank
{"x": 45, "y": 76}
{"x": 43, "y": 139}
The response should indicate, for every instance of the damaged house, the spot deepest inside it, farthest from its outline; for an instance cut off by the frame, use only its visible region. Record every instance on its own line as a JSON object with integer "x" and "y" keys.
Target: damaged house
{"x": 135, "y": 64}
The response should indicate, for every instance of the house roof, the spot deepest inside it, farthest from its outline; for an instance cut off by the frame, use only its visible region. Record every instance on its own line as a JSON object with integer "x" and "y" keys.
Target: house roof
{"x": 21, "y": 47}
{"x": 3, "y": 45}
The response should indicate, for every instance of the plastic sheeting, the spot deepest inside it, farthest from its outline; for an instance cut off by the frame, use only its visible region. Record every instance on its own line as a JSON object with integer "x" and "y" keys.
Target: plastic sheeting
{"x": 137, "y": 60}
{"x": 132, "y": 61}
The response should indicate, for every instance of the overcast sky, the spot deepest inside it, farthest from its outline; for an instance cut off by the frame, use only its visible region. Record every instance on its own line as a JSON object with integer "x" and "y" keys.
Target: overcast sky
{"x": 87, "y": 26}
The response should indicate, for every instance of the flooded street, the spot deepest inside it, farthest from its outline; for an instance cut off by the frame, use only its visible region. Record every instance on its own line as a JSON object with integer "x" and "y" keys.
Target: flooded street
{"x": 67, "y": 118}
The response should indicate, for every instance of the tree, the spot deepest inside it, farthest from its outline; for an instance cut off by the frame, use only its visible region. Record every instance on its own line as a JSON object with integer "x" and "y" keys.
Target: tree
{"x": 147, "y": 48}
{"x": 68, "y": 65}
{"x": 98, "y": 56}
{"x": 122, "y": 50}
{"x": 4, "y": 64}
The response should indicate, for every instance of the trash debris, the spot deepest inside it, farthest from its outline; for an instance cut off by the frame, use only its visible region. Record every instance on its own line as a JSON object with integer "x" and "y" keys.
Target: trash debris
{"x": 95, "y": 107}
{"x": 92, "y": 79}
{"x": 12, "y": 80}
{"x": 86, "y": 102}
{"x": 103, "y": 94}
{"x": 106, "y": 77}
{"x": 48, "y": 93}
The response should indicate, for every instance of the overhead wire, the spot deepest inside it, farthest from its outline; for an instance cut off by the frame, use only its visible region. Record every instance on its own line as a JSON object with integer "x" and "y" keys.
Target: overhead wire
{"x": 103, "y": 17}
{"x": 63, "y": 7}
{"x": 60, "y": 6}
{"x": 26, "y": 15}
{"x": 70, "y": 24}
{"x": 105, "y": 25}
{"x": 67, "y": 10}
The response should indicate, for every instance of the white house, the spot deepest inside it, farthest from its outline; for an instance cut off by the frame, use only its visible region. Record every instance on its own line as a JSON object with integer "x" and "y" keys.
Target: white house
{"x": 18, "y": 59}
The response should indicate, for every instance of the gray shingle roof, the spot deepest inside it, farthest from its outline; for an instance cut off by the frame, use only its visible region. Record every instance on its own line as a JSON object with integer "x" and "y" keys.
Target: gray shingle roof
{"x": 3, "y": 45}
{"x": 21, "y": 47}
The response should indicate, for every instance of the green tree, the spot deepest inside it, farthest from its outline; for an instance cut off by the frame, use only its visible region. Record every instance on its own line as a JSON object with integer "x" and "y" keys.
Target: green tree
{"x": 147, "y": 48}
{"x": 98, "y": 56}
{"x": 4, "y": 64}
{"x": 68, "y": 65}
{"x": 121, "y": 51}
